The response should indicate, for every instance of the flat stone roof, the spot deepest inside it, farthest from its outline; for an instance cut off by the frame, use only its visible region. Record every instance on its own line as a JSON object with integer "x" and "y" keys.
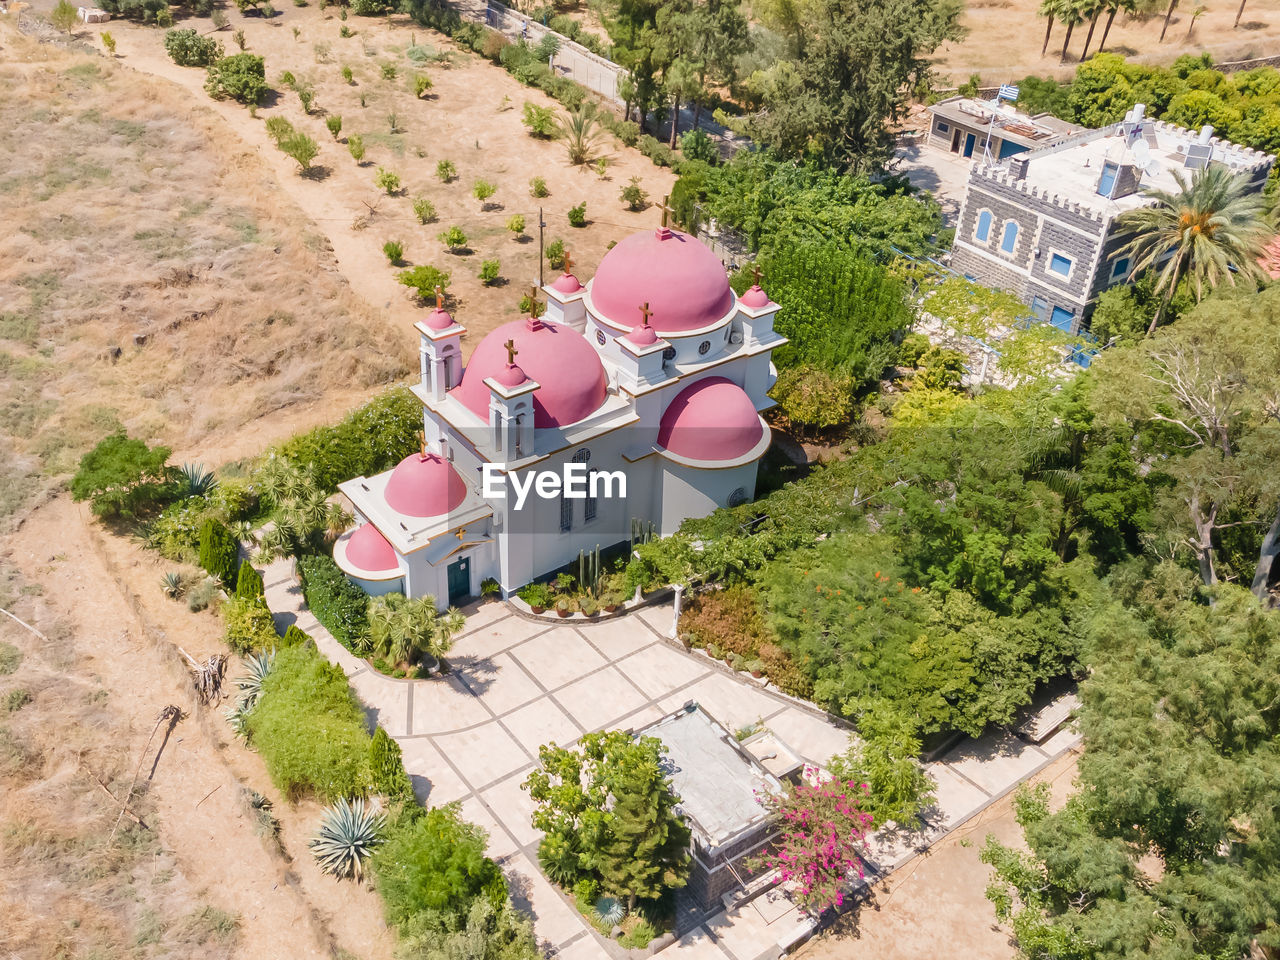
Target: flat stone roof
{"x": 715, "y": 779}
{"x": 1004, "y": 121}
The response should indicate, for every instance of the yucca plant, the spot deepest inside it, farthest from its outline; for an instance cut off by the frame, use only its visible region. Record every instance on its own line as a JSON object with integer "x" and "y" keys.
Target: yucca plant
{"x": 258, "y": 666}
{"x": 609, "y": 910}
{"x": 198, "y": 480}
{"x": 581, "y": 133}
{"x": 348, "y": 834}
{"x": 171, "y": 584}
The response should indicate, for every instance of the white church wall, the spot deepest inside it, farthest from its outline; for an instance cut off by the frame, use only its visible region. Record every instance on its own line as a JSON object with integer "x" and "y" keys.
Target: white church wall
{"x": 694, "y": 492}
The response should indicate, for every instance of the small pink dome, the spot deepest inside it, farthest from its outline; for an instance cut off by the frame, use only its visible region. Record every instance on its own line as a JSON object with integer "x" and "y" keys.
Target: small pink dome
{"x": 567, "y": 283}
{"x": 510, "y": 376}
{"x": 643, "y": 336}
{"x": 424, "y": 486}
{"x": 438, "y": 319}
{"x": 369, "y": 550}
{"x": 683, "y": 282}
{"x": 571, "y": 378}
{"x": 755, "y": 298}
{"x": 713, "y": 419}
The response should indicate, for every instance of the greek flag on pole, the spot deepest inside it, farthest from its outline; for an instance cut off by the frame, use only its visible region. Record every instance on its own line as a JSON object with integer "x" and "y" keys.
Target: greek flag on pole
{"x": 1007, "y": 92}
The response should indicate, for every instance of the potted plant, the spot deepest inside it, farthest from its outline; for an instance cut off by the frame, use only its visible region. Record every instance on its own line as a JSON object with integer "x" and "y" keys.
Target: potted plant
{"x": 736, "y": 660}
{"x": 588, "y": 606}
{"x": 756, "y": 667}
{"x": 713, "y": 651}
{"x": 536, "y": 595}
{"x": 564, "y": 606}
{"x": 686, "y": 640}
{"x": 489, "y": 587}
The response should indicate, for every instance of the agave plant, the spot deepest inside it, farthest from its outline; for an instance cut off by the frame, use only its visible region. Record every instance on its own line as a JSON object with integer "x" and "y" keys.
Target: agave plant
{"x": 348, "y": 834}
{"x": 171, "y": 584}
{"x": 198, "y": 480}
{"x": 258, "y": 665}
{"x": 236, "y": 717}
{"x": 609, "y": 910}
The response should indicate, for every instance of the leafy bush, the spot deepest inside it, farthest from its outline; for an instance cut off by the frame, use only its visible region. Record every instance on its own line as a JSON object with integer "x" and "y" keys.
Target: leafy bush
{"x": 301, "y": 148}
{"x": 454, "y": 239}
{"x": 516, "y": 225}
{"x": 655, "y": 150}
{"x": 203, "y": 594}
{"x": 424, "y": 279}
{"x": 249, "y": 626}
{"x": 633, "y": 195}
{"x": 482, "y": 190}
{"x": 555, "y": 254}
{"x": 540, "y": 121}
{"x": 913, "y": 348}
{"x": 393, "y": 250}
{"x": 143, "y": 11}
{"x": 386, "y": 768}
{"x": 813, "y": 397}
{"x": 122, "y": 477}
{"x": 294, "y": 635}
{"x": 538, "y": 188}
{"x": 334, "y": 123}
{"x": 279, "y": 129}
{"x": 188, "y": 49}
{"x": 424, "y": 209}
{"x": 336, "y": 602}
{"x": 249, "y": 584}
{"x": 940, "y": 369}
{"x": 433, "y": 862}
{"x": 421, "y": 84}
{"x": 885, "y": 757}
{"x": 386, "y": 180}
{"x": 446, "y": 171}
{"x": 489, "y": 272}
{"x": 536, "y": 594}
{"x": 219, "y": 551}
{"x": 370, "y": 8}
{"x": 355, "y": 147}
{"x": 309, "y": 729}
{"x": 628, "y": 131}
{"x": 347, "y": 75}
{"x": 241, "y": 77}
{"x": 697, "y": 145}
{"x": 578, "y": 215}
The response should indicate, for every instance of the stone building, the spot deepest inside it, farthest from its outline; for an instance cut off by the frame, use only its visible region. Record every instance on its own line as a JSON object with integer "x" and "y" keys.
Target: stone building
{"x": 969, "y": 127}
{"x": 1042, "y": 224}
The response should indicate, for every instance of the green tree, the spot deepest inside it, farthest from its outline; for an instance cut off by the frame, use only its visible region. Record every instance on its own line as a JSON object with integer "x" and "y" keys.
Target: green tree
{"x": 219, "y": 551}
{"x": 63, "y": 16}
{"x": 540, "y": 121}
{"x": 188, "y": 49}
{"x": 424, "y": 279}
{"x": 301, "y": 148}
{"x": 1210, "y": 230}
{"x": 249, "y": 584}
{"x": 884, "y": 756}
{"x": 123, "y": 477}
{"x": 646, "y": 853}
{"x": 402, "y": 629}
{"x": 241, "y": 77}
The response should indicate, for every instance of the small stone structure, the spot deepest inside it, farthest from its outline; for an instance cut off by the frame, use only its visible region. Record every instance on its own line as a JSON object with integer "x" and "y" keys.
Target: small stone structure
{"x": 93, "y": 15}
{"x": 718, "y": 783}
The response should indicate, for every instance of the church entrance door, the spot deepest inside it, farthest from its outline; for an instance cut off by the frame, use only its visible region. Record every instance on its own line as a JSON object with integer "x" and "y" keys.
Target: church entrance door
{"x": 459, "y": 580}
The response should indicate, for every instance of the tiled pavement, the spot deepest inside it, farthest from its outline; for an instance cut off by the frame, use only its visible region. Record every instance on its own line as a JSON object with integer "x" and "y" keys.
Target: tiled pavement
{"x": 516, "y": 683}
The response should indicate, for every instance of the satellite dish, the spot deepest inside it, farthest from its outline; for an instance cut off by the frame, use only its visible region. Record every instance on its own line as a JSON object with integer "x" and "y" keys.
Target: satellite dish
{"x": 1141, "y": 153}
{"x": 1152, "y": 169}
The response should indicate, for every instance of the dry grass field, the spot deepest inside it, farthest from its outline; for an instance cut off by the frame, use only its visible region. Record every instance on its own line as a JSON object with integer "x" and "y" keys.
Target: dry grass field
{"x": 1005, "y": 36}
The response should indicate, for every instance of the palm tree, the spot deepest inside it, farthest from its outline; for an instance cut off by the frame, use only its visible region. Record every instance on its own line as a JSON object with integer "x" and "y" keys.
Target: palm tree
{"x": 1070, "y": 12}
{"x": 1092, "y": 9}
{"x": 400, "y": 628}
{"x": 1206, "y": 232}
{"x": 1130, "y": 7}
{"x": 581, "y": 133}
{"x": 1167, "y": 15}
{"x": 1239, "y": 14}
{"x": 1048, "y": 8}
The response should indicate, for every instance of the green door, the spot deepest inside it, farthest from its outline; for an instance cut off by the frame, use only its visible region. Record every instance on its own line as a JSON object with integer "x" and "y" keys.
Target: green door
{"x": 459, "y": 580}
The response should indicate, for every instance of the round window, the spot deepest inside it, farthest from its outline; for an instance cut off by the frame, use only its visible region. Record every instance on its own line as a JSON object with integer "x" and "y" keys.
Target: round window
{"x": 704, "y": 348}
{"x": 669, "y": 353}
{"x": 582, "y": 456}
{"x": 738, "y": 497}
{"x": 600, "y": 337}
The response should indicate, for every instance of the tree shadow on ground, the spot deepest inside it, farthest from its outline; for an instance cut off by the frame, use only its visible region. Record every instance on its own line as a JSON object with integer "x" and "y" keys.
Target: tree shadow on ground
{"x": 477, "y": 674}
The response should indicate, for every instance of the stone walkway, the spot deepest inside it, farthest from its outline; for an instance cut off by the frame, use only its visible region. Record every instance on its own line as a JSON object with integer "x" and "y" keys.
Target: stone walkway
{"x": 473, "y": 736}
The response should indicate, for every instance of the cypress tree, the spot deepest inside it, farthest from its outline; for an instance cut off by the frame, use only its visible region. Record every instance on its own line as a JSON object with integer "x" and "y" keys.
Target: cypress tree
{"x": 647, "y": 849}
{"x": 249, "y": 584}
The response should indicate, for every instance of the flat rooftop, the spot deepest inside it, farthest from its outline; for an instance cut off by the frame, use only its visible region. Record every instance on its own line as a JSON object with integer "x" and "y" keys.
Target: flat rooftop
{"x": 1004, "y": 121}
{"x": 1072, "y": 169}
{"x": 716, "y": 780}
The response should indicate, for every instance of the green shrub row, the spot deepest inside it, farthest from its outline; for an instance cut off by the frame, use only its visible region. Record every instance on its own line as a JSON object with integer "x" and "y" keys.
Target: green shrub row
{"x": 369, "y": 440}
{"x": 219, "y": 551}
{"x": 338, "y": 603}
{"x": 309, "y": 728}
{"x": 175, "y": 534}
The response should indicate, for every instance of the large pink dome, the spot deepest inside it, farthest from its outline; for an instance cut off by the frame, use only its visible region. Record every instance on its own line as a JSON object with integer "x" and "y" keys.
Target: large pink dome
{"x": 570, "y": 376}
{"x": 713, "y": 419}
{"x": 683, "y": 282}
{"x": 424, "y": 486}
{"x": 369, "y": 550}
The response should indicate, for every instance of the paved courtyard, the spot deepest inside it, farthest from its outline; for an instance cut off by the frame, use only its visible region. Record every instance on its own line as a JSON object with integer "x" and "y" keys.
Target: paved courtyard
{"x": 473, "y": 736}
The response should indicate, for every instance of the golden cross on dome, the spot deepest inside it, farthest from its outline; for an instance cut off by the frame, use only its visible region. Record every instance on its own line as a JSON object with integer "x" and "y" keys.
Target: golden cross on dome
{"x": 646, "y": 313}
{"x": 755, "y": 273}
{"x": 568, "y": 261}
{"x": 439, "y": 298}
{"x": 511, "y": 351}
{"x": 666, "y": 208}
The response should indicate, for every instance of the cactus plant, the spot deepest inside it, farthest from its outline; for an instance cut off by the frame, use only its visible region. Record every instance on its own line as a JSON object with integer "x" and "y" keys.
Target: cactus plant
{"x": 348, "y": 833}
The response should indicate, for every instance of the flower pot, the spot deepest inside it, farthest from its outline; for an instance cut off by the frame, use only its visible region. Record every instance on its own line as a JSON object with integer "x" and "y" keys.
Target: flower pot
{"x": 610, "y": 607}
{"x": 728, "y": 661}
{"x": 563, "y": 611}
{"x": 757, "y": 674}
{"x": 533, "y": 609}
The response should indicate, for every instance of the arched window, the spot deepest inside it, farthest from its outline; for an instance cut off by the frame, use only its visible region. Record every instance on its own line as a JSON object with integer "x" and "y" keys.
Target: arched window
{"x": 983, "y": 233}
{"x": 1010, "y": 238}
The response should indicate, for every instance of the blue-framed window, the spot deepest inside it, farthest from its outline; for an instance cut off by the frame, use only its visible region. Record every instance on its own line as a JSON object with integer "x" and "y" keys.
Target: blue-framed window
{"x": 983, "y": 233}
{"x": 1040, "y": 307}
{"x": 1107, "y": 182}
{"x": 942, "y": 127}
{"x": 1062, "y": 318}
{"x": 1060, "y": 265}
{"x": 1120, "y": 269}
{"x": 1010, "y": 238}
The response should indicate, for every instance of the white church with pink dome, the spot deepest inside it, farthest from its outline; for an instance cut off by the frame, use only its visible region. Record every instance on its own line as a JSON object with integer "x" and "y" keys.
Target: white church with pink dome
{"x": 654, "y": 371}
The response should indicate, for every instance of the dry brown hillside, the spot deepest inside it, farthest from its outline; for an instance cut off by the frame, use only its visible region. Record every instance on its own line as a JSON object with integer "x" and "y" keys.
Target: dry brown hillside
{"x": 153, "y": 273}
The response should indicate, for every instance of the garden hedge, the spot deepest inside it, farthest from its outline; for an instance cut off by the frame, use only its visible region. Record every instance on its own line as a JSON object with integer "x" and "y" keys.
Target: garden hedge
{"x": 219, "y": 551}
{"x": 336, "y": 602}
